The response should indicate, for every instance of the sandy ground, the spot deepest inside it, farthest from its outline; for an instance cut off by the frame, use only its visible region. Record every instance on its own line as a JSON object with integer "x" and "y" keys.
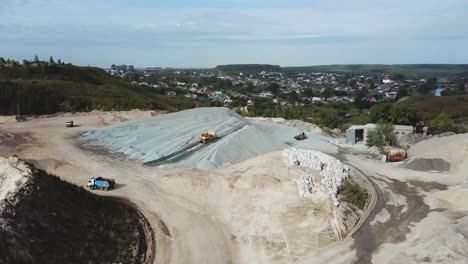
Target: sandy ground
{"x": 246, "y": 213}
{"x": 250, "y": 212}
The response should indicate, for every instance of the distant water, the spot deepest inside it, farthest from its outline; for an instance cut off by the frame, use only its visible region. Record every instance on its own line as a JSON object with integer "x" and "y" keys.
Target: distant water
{"x": 438, "y": 91}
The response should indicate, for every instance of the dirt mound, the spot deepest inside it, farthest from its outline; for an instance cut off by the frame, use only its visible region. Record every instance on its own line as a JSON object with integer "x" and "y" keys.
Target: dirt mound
{"x": 409, "y": 140}
{"x": 52, "y": 221}
{"x": 453, "y": 149}
{"x": 101, "y": 122}
{"x": 117, "y": 118}
{"x": 427, "y": 164}
{"x": 8, "y": 119}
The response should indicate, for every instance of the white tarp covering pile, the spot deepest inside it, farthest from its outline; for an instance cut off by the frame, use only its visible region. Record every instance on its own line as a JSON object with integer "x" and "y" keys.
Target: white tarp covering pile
{"x": 332, "y": 171}
{"x": 13, "y": 175}
{"x": 155, "y": 138}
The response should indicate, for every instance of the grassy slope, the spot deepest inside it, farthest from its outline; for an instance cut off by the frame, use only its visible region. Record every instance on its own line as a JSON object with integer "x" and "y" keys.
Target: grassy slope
{"x": 57, "y": 222}
{"x": 430, "y": 106}
{"x": 49, "y": 89}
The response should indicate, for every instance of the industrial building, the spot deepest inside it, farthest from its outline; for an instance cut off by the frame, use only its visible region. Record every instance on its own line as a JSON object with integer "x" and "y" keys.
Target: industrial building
{"x": 358, "y": 134}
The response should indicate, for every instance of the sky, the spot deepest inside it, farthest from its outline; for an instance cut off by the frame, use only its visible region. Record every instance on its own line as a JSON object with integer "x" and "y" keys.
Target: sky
{"x": 206, "y": 33}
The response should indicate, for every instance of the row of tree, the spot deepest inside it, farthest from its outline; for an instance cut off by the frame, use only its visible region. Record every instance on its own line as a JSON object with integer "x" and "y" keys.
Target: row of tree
{"x": 36, "y": 62}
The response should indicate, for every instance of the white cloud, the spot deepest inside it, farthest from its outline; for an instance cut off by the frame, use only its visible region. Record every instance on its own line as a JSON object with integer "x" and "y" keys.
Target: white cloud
{"x": 97, "y": 24}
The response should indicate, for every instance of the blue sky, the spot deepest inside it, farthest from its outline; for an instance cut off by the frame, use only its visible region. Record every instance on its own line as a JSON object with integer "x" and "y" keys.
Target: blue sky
{"x": 190, "y": 33}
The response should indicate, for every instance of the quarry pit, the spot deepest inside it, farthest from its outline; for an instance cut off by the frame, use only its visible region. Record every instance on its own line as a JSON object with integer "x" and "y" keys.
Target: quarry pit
{"x": 237, "y": 200}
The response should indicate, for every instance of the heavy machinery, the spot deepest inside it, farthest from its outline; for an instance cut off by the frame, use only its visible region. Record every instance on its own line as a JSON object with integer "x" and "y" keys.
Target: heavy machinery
{"x": 394, "y": 154}
{"x": 207, "y": 137}
{"x": 101, "y": 183}
{"x": 69, "y": 124}
{"x": 301, "y": 136}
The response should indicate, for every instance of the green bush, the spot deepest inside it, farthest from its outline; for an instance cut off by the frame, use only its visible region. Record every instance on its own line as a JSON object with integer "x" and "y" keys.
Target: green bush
{"x": 442, "y": 123}
{"x": 329, "y": 118}
{"x": 352, "y": 193}
{"x": 383, "y": 135}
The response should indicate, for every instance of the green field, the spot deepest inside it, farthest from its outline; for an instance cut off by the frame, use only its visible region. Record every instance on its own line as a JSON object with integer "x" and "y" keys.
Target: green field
{"x": 429, "y": 107}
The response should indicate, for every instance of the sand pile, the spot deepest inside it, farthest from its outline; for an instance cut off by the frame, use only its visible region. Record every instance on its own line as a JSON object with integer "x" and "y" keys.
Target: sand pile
{"x": 171, "y": 139}
{"x": 426, "y": 164}
{"x": 448, "y": 153}
{"x": 332, "y": 171}
{"x": 409, "y": 140}
{"x": 8, "y": 119}
{"x": 101, "y": 122}
{"x": 13, "y": 175}
{"x": 116, "y": 118}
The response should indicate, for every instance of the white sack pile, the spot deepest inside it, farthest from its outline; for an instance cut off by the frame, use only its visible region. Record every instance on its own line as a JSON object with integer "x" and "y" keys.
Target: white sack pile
{"x": 332, "y": 171}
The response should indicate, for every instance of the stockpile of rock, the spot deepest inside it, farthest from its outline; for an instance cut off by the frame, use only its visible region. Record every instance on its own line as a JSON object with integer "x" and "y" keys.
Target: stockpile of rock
{"x": 305, "y": 185}
{"x": 13, "y": 175}
{"x": 332, "y": 171}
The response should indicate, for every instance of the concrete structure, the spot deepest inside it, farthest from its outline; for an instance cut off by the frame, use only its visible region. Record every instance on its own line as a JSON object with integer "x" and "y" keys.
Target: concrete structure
{"x": 357, "y": 134}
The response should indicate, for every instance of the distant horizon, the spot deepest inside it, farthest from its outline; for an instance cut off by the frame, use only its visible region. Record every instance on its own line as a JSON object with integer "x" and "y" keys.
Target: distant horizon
{"x": 206, "y": 33}
{"x": 283, "y": 66}
{"x": 212, "y": 67}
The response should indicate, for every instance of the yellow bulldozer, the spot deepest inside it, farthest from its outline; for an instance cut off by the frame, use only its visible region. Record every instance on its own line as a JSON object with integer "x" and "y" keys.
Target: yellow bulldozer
{"x": 207, "y": 137}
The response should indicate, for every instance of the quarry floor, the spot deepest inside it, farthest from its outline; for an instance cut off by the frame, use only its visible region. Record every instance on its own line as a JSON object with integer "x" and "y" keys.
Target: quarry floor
{"x": 250, "y": 212}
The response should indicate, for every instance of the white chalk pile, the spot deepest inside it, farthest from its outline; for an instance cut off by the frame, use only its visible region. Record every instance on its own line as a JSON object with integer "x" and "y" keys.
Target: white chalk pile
{"x": 13, "y": 175}
{"x": 332, "y": 171}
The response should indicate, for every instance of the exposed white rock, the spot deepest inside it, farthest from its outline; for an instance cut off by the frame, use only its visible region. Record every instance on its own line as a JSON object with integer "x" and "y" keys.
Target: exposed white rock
{"x": 332, "y": 171}
{"x": 13, "y": 175}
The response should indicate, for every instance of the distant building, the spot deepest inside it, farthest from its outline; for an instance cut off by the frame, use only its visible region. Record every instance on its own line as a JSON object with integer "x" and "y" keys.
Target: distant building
{"x": 266, "y": 94}
{"x": 386, "y": 79}
{"x": 358, "y": 134}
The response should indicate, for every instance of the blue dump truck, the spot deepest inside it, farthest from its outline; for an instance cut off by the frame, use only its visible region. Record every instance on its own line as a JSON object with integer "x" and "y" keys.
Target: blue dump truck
{"x": 101, "y": 183}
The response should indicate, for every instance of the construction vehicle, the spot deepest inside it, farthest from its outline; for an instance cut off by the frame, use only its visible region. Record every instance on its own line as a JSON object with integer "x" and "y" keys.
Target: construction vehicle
{"x": 69, "y": 124}
{"x": 207, "y": 137}
{"x": 394, "y": 154}
{"x": 301, "y": 136}
{"x": 101, "y": 183}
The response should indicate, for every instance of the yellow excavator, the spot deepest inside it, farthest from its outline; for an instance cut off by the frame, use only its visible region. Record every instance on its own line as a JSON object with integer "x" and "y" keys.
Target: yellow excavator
{"x": 207, "y": 137}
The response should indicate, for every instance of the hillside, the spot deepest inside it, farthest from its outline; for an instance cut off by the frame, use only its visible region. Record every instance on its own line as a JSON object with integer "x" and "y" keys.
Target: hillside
{"x": 429, "y": 107}
{"x": 248, "y": 67}
{"x": 46, "y": 89}
{"x": 408, "y": 70}
{"x": 46, "y": 220}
